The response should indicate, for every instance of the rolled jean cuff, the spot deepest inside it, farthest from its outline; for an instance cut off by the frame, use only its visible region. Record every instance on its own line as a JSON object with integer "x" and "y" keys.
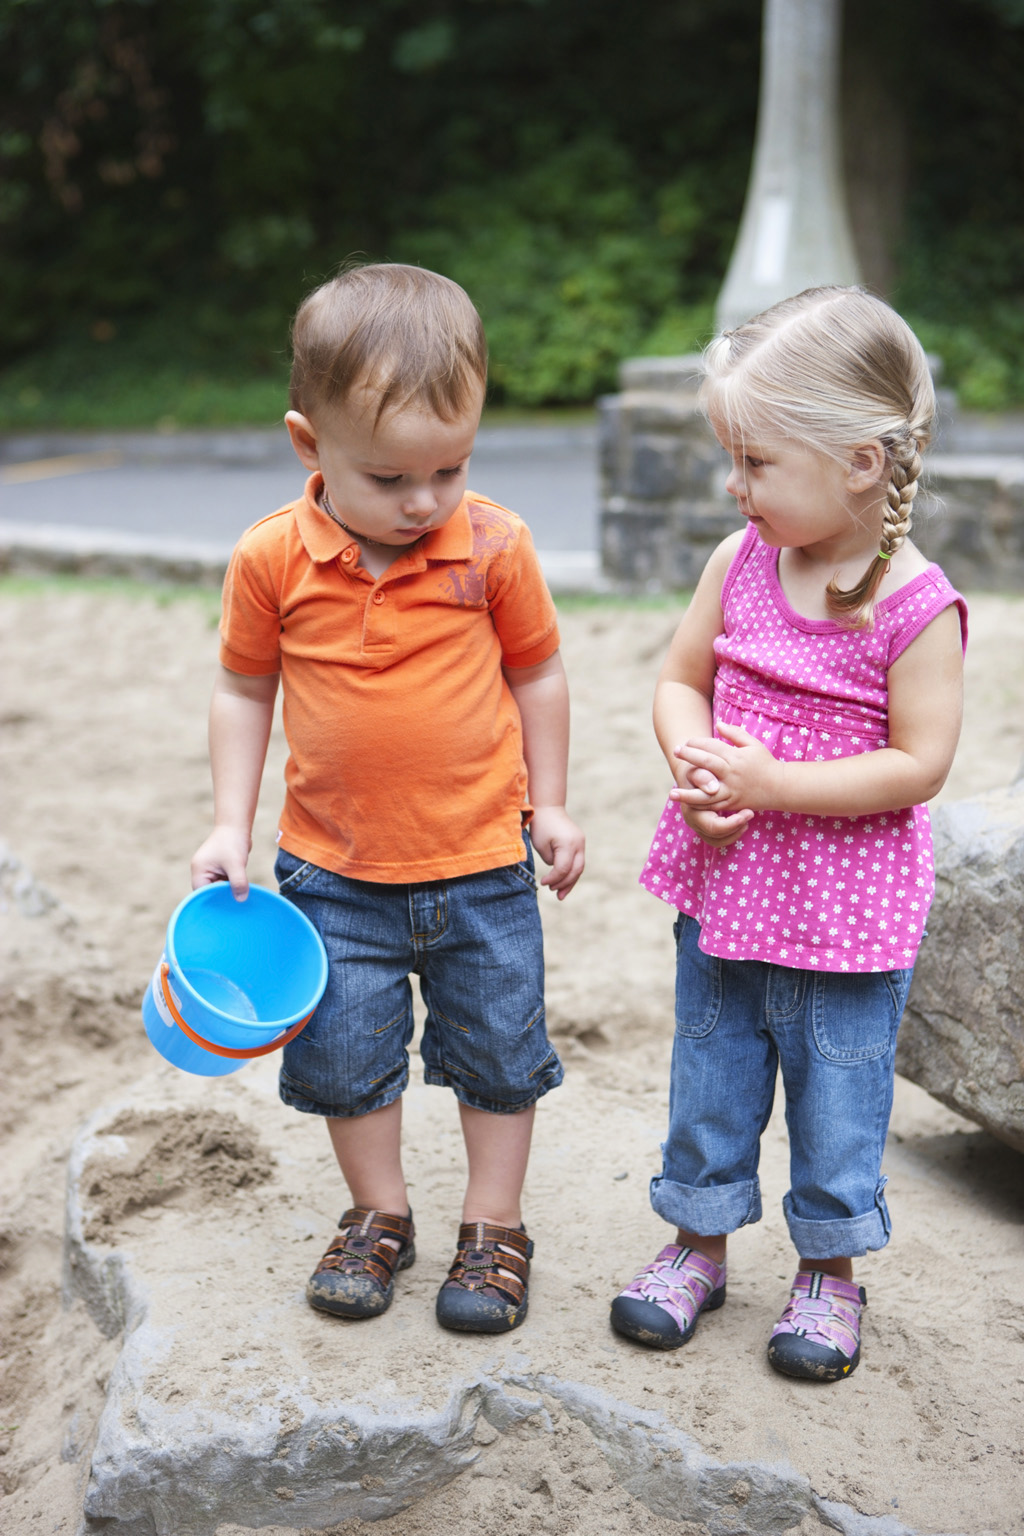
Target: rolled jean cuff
{"x": 549, "y": 1078}
{"x": 709, "y": 1212}
{"x": 849, "y": 1237}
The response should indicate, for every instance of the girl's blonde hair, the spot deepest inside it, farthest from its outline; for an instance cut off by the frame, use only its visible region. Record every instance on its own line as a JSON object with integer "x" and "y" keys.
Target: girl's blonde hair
{"x": 832, "y": 368}
{"x": 403, "y": 332}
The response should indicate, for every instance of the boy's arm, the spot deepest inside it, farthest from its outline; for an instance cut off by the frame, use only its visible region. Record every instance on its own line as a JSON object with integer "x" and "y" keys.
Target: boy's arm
{"x": 241, "y": 714}
{"x": 542, "y": 697}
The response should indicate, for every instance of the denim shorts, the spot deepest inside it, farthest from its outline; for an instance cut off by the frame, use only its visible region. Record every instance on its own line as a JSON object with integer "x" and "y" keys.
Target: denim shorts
{"x": 834, "y": 1035}
{"x": 475, "y": 944}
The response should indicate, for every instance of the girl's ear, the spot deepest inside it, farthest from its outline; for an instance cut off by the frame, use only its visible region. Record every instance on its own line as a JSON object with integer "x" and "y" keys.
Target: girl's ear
{"x": 869, "y": 467}
{"x": 303, "y": 435}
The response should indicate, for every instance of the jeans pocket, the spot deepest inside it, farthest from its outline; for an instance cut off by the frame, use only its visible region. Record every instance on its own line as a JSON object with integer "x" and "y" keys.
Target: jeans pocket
{"x": 698, "y": 982}
{"x": 524, "y": 874}
{"x": 524, "y": 871}
{"x": 856, "y": 1014}
{"x": 292, "y": 873}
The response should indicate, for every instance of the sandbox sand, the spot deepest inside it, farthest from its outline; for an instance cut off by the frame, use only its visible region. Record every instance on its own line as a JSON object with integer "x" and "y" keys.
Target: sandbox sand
{"x": 105, "y": 794}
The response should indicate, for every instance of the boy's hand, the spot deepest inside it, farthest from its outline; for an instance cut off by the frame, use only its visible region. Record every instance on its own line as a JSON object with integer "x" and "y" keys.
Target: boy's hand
{"x": 561, "y": 844}
{"x": 223, "y": 856}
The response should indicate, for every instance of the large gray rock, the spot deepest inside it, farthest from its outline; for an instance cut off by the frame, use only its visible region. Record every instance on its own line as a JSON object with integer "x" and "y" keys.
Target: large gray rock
{"x": 962, "y": 1037}
{"x": 191, "y": 1224}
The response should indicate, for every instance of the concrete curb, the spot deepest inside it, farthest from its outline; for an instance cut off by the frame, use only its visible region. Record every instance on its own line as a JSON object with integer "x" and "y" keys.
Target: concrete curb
{"x": 47, "y": 549}
{"x": 255, "y": 446}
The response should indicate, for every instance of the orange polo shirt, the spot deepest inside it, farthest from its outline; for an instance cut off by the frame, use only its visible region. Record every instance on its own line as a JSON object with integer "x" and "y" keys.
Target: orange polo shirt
{"x": 406, "y": 752}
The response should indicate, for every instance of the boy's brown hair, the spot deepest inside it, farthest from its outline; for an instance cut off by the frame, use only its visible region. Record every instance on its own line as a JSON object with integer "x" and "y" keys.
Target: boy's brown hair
{"x": 403, "y": 332}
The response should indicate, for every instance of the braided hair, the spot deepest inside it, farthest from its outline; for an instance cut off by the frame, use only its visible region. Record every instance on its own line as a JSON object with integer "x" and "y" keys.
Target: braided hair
{"x": 831, "y": 368}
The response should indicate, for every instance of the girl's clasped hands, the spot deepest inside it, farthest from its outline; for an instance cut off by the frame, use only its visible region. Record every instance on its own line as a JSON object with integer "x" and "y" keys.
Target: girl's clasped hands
{"x": 725, "y": 782}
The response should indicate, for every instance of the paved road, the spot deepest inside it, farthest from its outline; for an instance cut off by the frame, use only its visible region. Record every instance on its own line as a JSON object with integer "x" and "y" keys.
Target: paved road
{"x": 191, "y": 489}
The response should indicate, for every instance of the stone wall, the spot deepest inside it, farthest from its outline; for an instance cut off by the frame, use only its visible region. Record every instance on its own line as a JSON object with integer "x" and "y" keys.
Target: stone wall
{"x": 663, "y": 500}
{"x": 664, "y": 505}
{"x": 972, "y": 520}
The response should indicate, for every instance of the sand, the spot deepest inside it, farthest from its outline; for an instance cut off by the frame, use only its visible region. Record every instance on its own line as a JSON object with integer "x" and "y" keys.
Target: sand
{"x": 105, "y": 795}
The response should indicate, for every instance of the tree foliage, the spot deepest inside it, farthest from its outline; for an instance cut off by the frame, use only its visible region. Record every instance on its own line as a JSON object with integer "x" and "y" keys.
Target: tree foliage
{"x": 174, "y": 176}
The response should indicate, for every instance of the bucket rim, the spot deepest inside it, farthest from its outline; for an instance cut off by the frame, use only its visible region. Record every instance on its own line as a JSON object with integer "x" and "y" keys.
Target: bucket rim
{"x": 261, "y": 1027}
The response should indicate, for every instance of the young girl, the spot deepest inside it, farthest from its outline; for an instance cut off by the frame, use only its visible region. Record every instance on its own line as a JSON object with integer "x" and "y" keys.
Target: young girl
{"x": 810, "y": 703}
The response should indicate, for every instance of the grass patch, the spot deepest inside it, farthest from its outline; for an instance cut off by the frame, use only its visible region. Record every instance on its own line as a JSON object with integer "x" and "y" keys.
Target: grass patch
{"x": 177, "y": 371}
{"x": 31, "y": 400}
{"x": 634, "y": 602}
{"x": 164, "y": 372}
{"x": 53, "y": 394}
{"x": 539, "y": 416}
{"x": 163, "y": 595}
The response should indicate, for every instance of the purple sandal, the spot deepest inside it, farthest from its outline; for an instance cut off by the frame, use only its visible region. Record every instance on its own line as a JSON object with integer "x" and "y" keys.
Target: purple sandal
{"x": 818, "y": 1335}
{"x": 661, "y": 1305}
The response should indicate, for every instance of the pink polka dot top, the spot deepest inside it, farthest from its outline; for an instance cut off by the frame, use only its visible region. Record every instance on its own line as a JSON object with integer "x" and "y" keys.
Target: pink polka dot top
{"x": 819, "y": 893}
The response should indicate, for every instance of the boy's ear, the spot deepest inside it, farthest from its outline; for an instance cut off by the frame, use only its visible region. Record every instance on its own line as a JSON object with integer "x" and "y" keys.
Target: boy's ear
{"x": 303, "y": 435}
{"x": 869, "y": 467}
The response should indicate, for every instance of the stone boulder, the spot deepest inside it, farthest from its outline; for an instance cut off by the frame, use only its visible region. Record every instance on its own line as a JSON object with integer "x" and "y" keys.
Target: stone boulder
{"x": 962, "y": 1037}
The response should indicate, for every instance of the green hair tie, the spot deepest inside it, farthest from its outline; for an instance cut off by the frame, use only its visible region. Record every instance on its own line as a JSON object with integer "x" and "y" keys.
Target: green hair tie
{"x": 882, "y": 555}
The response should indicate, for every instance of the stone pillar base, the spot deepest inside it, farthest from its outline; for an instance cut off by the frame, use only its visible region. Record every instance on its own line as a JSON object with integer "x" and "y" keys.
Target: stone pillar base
{"x": 663, "y": 501}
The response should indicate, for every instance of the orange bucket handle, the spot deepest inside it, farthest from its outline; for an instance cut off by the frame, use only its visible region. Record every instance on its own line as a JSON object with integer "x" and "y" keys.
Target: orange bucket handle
{"x": 223, "y": 1050}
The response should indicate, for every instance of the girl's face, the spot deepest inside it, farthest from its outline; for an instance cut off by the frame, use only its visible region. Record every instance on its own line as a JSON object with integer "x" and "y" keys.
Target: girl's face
{"x": 796, "y": 497}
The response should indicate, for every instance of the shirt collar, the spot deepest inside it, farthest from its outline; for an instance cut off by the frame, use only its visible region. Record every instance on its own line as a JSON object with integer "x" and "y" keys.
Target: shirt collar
{"x": 324, "y": 540}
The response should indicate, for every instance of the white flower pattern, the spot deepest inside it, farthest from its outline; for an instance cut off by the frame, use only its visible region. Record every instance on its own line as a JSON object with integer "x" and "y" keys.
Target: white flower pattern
{"x": 778, "y": 671}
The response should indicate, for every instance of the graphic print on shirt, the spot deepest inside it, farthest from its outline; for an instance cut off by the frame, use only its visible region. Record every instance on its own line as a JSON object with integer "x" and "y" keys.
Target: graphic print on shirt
{"x": 473, "y": 582}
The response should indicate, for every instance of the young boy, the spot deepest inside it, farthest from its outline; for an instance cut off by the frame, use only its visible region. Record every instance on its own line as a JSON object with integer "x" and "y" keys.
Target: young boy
{"x": 426, "y": 712}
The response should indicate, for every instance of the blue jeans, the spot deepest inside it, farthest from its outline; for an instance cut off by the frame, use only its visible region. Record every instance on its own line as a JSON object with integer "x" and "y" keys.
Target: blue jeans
{"x": 475, "y": 944}
{"x": 834, "y": 1035}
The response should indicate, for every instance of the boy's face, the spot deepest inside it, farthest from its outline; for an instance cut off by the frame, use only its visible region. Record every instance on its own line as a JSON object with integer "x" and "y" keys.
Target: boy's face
{"x": 394, "y": 481}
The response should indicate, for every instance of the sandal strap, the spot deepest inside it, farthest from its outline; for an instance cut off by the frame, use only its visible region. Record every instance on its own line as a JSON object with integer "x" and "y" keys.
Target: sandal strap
{"x": 825, "y": 1311}
{"x": 483, "y": 1252}
{"x": 680, "y": 1280}
{"x": 359, "y": 1248}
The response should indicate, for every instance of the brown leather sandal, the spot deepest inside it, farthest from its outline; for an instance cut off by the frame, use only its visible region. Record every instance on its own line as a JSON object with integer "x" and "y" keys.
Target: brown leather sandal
{"x": 355, "y": 1277}
{"x": 486, "y": 1290}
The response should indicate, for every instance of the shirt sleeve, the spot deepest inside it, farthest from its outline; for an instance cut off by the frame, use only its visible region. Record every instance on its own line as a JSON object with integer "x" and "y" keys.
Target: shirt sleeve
{"x": 522, "y": 608}
{"x": 250, "y": 624}
{"x": 929, "y": 596}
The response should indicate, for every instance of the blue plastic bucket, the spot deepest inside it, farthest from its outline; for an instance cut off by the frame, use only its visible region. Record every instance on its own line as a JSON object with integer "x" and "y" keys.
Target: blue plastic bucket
{"x": 236, "y": 980}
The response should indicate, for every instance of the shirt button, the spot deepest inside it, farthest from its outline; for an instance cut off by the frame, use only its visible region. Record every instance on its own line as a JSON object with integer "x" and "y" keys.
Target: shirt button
{"x": 378, "y": 598}
{"x": 348, "y": 555}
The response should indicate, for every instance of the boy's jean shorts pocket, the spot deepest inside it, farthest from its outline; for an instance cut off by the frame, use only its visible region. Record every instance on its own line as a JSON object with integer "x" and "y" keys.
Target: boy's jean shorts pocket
{"x": 523, "y": 873}
{"x": 856, "y": 1015}
{"x": 475, "y": 944}
{"x": 292, "y": 874}
{"x": 698, "y": 982}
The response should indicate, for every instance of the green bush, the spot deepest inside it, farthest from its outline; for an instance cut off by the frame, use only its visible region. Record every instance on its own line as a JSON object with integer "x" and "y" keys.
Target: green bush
{"x": 187, "y": 368}
{"x": 571, "y": 265}
{"x": 982, "y": 356}
{"x": 174, "y": 177}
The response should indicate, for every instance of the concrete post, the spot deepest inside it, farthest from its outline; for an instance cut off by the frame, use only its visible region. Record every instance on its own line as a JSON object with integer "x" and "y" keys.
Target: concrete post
{"x": 794, "y": 232}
